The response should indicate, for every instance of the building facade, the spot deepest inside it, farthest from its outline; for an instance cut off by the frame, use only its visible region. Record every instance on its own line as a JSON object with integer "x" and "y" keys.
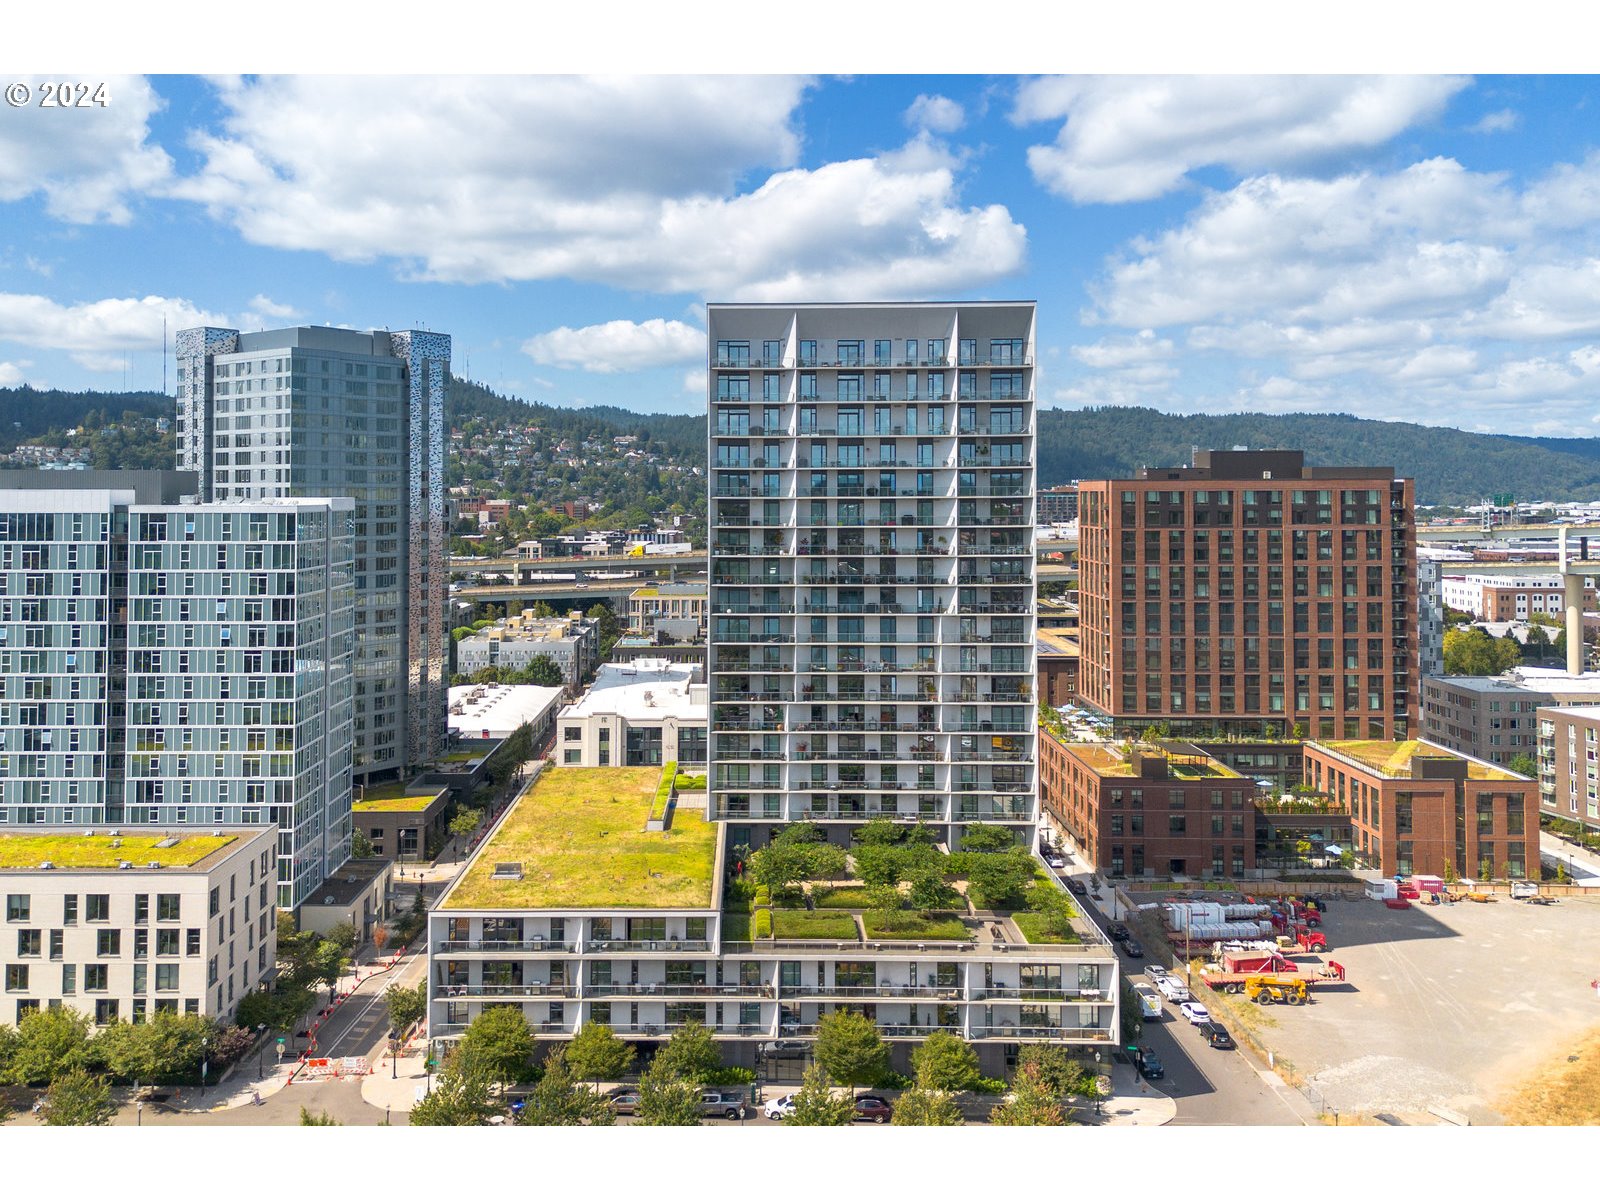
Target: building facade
{"x": 1251, "y": 594}
{"x": 311, "y": 412}
{"x": 643, "y": 713}
{"x": 571, "y": 642}
{"x": 1057, "y": 654}
{"x": 1510, "y": 597}
{"x": 1058, "y": 505}
{"x": 1164, "y": 808}
{"x": 173, "y": 664}
{"x": 676, "y": 609}
{"x": 872, "y": 563}
{"x": 120, "y": 926}
{"x": 1430, "y": 619}
{"x": 1494, "y": 717}
{"x": 1418, "y": 808}
{"x": 1569, "y": 764}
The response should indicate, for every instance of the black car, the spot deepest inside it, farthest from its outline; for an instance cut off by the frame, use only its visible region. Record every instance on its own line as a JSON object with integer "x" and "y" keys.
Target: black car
{"x": 1076, "y": 887}
{"x": 787, "y": 1048}
{"x": 873, "y": 1108}
{"x": 1216, "y": 1035}
{"x": 1118, "y": 932}
{"x": 1132, "y": 948}
{"x": 1148, "y": 1064}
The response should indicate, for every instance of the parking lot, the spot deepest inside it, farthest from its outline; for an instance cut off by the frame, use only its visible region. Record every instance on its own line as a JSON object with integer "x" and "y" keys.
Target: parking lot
{"x": 1447, "y": 1006}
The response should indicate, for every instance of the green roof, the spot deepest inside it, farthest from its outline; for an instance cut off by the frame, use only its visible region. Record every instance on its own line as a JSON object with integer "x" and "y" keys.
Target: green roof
{"x": 579, "y": 840}
{"x": 1393, "y": 759}
{"x": 392, "y": 803}
{"x": 24, "y": 851}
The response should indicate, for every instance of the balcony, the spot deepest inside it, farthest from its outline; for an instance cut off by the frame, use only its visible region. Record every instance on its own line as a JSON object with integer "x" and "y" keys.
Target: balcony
{"x": 663, "y": 945}
{"x": 451, "y": 991}
{"x": 1037, "y": 1033}
{"x": 529, "y": 945}
{"x": 593, "y": 991}
{"x": 879, "y": 991}
{"x": 1057, "y": 995}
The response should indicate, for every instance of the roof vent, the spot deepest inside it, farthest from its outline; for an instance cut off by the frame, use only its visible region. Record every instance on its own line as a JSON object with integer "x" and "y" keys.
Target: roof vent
{"x": 124, "y": 865}
{"x": 113, "y": 833}
{"x": 507, "y": 870}
{"x": 217, "y": 833}
{"x": 47, "y": 866}
{"x": 154, "y": 866}
{"x": 166, "y": 843}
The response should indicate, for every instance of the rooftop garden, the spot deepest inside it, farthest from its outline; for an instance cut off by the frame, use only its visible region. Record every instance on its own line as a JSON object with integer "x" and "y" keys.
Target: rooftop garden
{"x": 390, "y": 803}
{"x": 21, "y": 851}
{"x": 579, "y": 841}
{"x": 1393, "y": 759}
{"x": 893, "y": 884}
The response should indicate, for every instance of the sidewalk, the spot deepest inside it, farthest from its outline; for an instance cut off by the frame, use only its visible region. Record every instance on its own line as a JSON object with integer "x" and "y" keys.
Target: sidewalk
{"x": 1134, "y": 1102}
{"x": 1584, "y": 864}
{"x": 240, "y": 1089}
{"x": 397, "y": 1095}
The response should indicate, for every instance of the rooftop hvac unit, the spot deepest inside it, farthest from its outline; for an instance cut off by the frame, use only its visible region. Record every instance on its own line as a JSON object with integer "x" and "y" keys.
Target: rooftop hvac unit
{"x": 124, "y": 865}
{"x": 154, "y": 866}
{"x": 47, "y": 866}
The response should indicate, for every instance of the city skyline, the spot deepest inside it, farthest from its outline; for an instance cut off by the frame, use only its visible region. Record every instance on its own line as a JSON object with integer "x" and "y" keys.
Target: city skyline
{"x": 1390, "y": 246}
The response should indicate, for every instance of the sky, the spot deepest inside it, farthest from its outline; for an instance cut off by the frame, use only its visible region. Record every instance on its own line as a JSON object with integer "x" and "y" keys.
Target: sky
{"x": 1416, "y": 247}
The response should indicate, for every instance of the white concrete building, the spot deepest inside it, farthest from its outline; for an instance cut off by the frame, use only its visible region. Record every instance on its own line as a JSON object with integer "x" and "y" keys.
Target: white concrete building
{"x": 1508, "y": 597}
{"x": 497, "y": 710}
{"x": 642, "y": 713}
{"x": 1430, "y": 619}
{"x": 122, "y": 924}
{"x": 572, "y": 642}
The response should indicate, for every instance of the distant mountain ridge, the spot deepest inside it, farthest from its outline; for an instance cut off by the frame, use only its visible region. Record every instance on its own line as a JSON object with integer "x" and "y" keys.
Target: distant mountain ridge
{"x": 1451, "y": 466}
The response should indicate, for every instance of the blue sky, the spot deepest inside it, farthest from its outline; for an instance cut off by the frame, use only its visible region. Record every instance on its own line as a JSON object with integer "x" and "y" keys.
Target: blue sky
{"x": 1416, "y": 247}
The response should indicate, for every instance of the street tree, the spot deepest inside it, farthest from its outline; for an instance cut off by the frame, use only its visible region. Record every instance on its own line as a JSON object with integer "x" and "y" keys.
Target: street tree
{"x": 945, "y": 1063}
{"x": 1031, "y": 1101}
{"x": 596, "y": 1053}
{"x": 925, "y": 1106}
{"x": 692, "y": 1053}
{"x": 850, "y": 1050}
{"x": 78, "y": 1098}
{"x": 1057, "y": 1071}
{"x": 500, "y": 1041}
{"x": 816, "y": 1103}
{"x": 665, "y": 1098}
{"x": 50, "y": 1042}
{"x": 998, "y": 880}
{"x": 406, "y": 1005}
{"x": 558, "y": 1100}
{"x": 461, "y": 1094}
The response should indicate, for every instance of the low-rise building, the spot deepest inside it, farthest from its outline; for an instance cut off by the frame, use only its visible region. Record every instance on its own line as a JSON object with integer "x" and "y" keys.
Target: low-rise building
{"x": 357, "y": 895}
{"x": 1421, "y": 808}
{"x": 677, "y": 610}
{"x": 643, "y": 713}
{"x": 1509, "y": 597}
{"x": 572, "y": 642}
{"x": 497, "y": 710}
{"x": 576, "y": 912}
{"x": 400, "y": 821}
{"x": 1493, "y": 716}
{"x": 1430, "y": 618}
{"x": 1157, "y": 808}
{"x": 1057, "y": 655}
{"x": 121, "y": 924}
{"x": 1569, "y": 773}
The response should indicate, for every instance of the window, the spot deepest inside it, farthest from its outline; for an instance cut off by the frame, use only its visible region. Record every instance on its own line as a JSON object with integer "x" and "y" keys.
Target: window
{"x": 105, "y": 1012}
{"x": 69, "y": 910}
{"x": 167, "y": 907}
{"x": 57, "y": 940}
{"x": 97, "y": 907}
{"x": 108, "y": 943}
{"x": 216, "y": 902}
{"x": 192, "y": 943}
{"x": 166, "y": 942}
{"x": 166, "y": 977}
{"x": 96, "y": 977}
{"x": 30, "y": 943}
{"x": 141, "y": 909}
{"x": 18, "y": 908}
{"x": 69, "y": 979}
{"x": 16, "y": 977}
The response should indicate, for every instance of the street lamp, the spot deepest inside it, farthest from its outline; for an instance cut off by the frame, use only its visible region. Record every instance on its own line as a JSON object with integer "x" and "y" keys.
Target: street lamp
{"x": 394, "y": 1053}
{"x": 261, "y": 1056}
{"x": 205, "y": 1066}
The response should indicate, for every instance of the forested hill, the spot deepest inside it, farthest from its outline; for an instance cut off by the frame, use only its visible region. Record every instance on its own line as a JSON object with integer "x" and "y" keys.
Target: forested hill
{"x": 1449, "y": 465}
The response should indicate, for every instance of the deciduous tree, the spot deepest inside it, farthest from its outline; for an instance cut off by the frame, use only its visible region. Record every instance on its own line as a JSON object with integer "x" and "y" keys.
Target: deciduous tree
{"x": 597, "y": 1053}
{"x": 945, "y": 1063}
{"x": 850, "y": 1050}
{"x": 816, "y": 1103}
{"x": 78, "y": 1098}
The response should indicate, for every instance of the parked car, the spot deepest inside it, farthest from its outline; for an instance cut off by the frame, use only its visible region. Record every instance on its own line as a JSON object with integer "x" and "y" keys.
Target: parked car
{"x": 1149, "y": 1002}
{"x": 1117, "y": 931}
{"x": 873, "y": 1108}
{"x": 1148, "y": 1064}
{"x": 1155, "y": 971}
{"x": 723, "y": 1104}
{"x": 1173, "y": 989}
{"x": 1194, "y": 1012}
{"x": 787, "y": 1048}
{"x": 1054, "y": 860}
{"x": 1077, "y": 887}
{"x": 624, "y": 1101}
{"x": 778, "y": 1108}
{"x": 1132, "y": 947}
{"x": 1216, "y": 1035}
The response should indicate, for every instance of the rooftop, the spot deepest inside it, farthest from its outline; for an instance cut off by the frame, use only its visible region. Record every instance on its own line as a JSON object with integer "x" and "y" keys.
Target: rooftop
{"x": 103, "y": 852}
{"x": 528, "y": 629}
{"x": 1392, "y": 760}
{"x": 679, "y": 590}
{"x": 647, "y": 689}
{"x": 1552, "y": 680}
{"x": 1183, "y": 761}
{"x": 393, "y": 797}
{"x": 579, "y": 841}
{"x": 348, "y": 882}
{"x": 1056, "y": 641}
{"x": 473, "y": 706}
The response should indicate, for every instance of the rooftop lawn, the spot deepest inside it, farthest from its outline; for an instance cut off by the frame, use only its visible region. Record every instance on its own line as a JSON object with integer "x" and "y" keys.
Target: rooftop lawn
{"x": 918, "y": 927}
{"x": 1108, "y": 761}
{"x": 833, "y": 927}
{"x": 1031, "y": 926}
{"x": 1393, "y": 759}
{"x": 580, "y": 838}
{"x": 392, "y": 800}
{"x": 19, "y": 851}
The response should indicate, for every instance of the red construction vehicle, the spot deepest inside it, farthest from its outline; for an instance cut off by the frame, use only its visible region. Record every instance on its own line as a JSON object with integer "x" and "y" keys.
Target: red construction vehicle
{"x": 1224, "y": 979}
{"x": 1255, "y": 962}
{"x": 1301, "y": 939}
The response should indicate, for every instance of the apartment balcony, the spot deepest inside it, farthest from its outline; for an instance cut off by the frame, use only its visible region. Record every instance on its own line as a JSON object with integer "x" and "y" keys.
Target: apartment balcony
{"x": 997, "y": 808}
{"x": 502, "y": 991}
{"x": 1037, "y": 1033}
{"x": 1056, "y": 995}
{"x": 846, "y": 726}
{"x": 747, "y": 697}
{"x": 652, "y": 946}
{"x": 883, "y": 991}
{"x": 595, "y": 991}
{"x": 732, "y": 608}
{"x": 527, "y": 945}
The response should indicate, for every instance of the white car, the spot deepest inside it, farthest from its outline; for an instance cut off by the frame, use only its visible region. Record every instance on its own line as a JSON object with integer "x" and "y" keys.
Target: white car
{"x": 1194, "y": 1012}
{"x": 1155, "y": 971}
{"x": 778, "y": 1108}
{"x": 1173, "y": 989}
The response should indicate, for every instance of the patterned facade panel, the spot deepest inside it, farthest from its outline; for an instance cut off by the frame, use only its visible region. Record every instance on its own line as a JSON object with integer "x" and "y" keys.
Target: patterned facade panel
{"x": 195, "y": 348}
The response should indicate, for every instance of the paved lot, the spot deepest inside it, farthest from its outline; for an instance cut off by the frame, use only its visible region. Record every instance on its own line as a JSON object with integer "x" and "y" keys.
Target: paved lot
{"x": 1447, "y": 1005}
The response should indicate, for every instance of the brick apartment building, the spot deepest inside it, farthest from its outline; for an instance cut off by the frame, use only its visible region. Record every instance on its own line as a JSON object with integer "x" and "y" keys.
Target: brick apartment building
{"x": 1057, "y": 654}
{"x": 1163, "y": 808}
{"x": 1416, "y": 807}
{"x": 1569, "y": 763}
{"x": 1506, "y": 598}
{"x": 1249, "y": 594}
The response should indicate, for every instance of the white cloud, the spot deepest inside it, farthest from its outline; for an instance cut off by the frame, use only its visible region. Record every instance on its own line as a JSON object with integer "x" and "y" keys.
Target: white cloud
{"x": 937, "y": 114}
{"x": 88, "y": 161}
{"x": 694, "y": 383}
{"x": 1503, "y": 121}
{"x": 1143, "y": 347}
{"x": 1132, "y": 137}
{"x": 635, "y": 182}
{"x": 264, "y": 311}
{"x": 618, "y": 346}
{"x": 96, "y": 332}
{"x": 11, "y": 375}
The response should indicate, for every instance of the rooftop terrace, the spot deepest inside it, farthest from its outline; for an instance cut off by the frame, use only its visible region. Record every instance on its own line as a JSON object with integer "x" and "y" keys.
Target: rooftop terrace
{"x": 580, "y": 841}
{"x": 1108, "y": 760}
{"x": 102, "y": 852}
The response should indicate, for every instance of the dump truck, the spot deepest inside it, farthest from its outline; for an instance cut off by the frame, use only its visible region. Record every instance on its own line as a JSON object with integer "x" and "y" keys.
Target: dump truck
{"x": 1275, "y": 989}
{"x": 1219, "y": 978}
{"x": 1301, "y": 940}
